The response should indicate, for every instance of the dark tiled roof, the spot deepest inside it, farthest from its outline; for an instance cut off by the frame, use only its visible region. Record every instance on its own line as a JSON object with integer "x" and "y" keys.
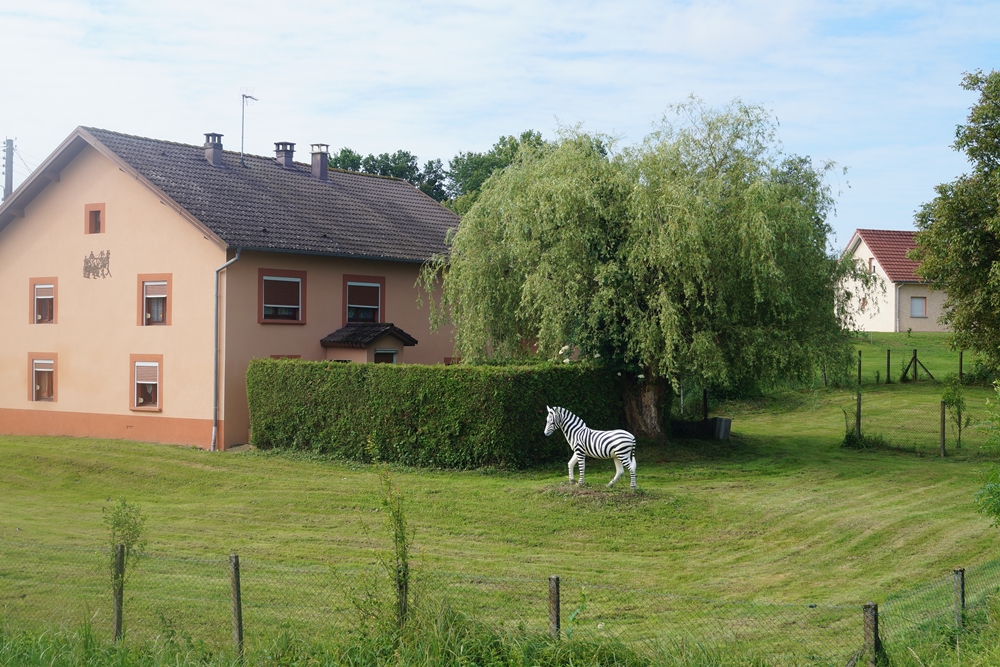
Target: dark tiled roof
{"x": 363, "y": 335}
{"x": 889, "y": 248}
{"x": 265, "y": 206}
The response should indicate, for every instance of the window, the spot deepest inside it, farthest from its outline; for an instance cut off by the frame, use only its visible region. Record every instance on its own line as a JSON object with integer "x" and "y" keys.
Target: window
{"x": 864, "y": 303}
{"x": 385, "y": 356}
{"x": 282, "y": 296}
{"x": 93, "y": 219}
{"x": 154, "y": 292}
{"x": 42, "y": 295}
{"x": 364, "y": 299}
{"x": 918, "y": 306}
{"x": 147, "y": 382}
{"x": 43, "y": 379}
{"x": 871, "y": 265}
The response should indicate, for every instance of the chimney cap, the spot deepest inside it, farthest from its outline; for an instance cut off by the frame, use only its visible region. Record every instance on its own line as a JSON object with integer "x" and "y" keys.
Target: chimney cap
{"x": 284, "y": 146}
{"x": 320, "y": 148}
{"x": 212, "y": 139}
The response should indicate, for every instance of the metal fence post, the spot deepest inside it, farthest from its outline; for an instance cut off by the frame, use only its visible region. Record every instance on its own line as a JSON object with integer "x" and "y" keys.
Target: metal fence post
{"x": 237, "y": 600}
{"x": 873, "y": 644}
{"x": 118, "y": 588}
{"x": 959, "y": 597}
{"x": 857, "y": 419}
{"x": 942, "y": 428}
{"x": 859, "y": 368}
{"x": 888, "y": 364}
{"x": 554, "y": 606}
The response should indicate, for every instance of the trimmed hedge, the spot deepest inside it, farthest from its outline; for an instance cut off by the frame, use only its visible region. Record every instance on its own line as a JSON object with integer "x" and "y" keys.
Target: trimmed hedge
{"x": 443, "y": 416}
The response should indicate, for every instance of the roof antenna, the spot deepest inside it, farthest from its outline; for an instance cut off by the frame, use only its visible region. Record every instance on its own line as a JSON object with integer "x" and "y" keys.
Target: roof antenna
{"x": 246, "y": 95}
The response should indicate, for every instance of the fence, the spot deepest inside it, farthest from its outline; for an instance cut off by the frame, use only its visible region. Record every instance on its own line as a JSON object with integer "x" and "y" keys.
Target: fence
{"x": 224, "y": 604}
{"x": 920, "y": 423}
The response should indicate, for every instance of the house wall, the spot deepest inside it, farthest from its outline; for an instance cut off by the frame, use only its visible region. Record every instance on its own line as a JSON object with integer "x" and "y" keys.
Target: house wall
{"x": 935, "y": 308}
{"x": 246, "y": 338}
{"x": 97, "y": 328}
{"x": 879, "y": 312}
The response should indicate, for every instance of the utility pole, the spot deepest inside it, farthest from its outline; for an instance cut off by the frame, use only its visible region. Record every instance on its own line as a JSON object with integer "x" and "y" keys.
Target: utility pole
{"x": 8, "y": 169}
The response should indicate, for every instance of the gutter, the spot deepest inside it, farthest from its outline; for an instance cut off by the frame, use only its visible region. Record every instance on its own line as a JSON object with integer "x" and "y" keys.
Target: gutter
{"x": 215, "y": 365}
{"x": 899, "y": 286}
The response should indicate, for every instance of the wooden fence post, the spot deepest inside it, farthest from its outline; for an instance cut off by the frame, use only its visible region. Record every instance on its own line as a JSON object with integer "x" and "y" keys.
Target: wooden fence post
{"x": 859, "y": 368}
{"x": 888, "y": 364}
{"x": 914, "y": 364}
{"x": 942, "y": 428}
{"x": 554, "y": 606}
{"x": 118, "y": 588}
{"x": 857, "y": 419}
{"x": 873, "y": 644}
{"x": 237, "y": 600}
{"x": 959, "y": 597}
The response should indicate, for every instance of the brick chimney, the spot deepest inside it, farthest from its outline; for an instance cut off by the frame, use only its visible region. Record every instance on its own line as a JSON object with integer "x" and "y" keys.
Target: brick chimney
{"x": 283, "y": 152}
{"x": 320, "y": 161}
{"x": 213, "y": 149}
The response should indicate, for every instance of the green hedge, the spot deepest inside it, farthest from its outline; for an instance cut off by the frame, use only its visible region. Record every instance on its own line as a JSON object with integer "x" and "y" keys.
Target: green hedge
{"x": 444, "y": 416}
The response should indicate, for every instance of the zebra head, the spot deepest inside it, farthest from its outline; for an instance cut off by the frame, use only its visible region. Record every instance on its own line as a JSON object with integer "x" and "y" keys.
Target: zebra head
{"x": 550, "y": 421}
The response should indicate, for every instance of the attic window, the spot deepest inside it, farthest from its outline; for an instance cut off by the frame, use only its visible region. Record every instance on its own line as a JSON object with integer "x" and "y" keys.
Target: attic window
{"x": 94, "y": 222}
{"x": 871, "y": 265}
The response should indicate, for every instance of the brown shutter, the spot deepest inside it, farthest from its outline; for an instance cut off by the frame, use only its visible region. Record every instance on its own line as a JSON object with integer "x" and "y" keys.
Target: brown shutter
{"x": 44, "y": 365}
{"x": 44, "y": 290}
{"x": 155, "y": 289}
{"x": 145, "y": 373}
{"x": 362, "y": 295}
{"x": 281, "y": 292}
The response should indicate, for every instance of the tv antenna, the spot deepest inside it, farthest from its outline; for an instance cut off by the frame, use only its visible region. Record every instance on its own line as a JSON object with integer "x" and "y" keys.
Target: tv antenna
{"x": 246, "y": 96}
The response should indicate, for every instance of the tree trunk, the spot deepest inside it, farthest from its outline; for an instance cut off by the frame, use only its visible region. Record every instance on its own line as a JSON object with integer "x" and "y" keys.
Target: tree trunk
{"x": 645, "y": 408}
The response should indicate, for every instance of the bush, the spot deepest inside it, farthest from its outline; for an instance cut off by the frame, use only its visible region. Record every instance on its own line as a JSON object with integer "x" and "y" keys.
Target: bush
{"x": 445, "y": 416}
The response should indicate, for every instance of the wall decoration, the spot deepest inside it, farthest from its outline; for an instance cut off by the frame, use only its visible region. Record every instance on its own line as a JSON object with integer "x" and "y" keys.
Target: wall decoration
{"x": 99, "y": 266}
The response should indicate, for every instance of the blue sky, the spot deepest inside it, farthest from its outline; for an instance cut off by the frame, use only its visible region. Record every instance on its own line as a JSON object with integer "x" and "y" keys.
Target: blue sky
{"x": 871, "y": 85}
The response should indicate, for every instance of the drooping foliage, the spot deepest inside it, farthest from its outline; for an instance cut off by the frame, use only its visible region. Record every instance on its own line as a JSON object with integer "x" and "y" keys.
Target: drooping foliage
{"x": 702, "y": 253}
{"x": 958, "y": 243}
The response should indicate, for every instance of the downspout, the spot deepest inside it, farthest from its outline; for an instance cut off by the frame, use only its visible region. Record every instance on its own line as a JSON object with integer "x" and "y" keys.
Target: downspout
{"x": 899, "y": 286}
{"x": 215, "y": 369}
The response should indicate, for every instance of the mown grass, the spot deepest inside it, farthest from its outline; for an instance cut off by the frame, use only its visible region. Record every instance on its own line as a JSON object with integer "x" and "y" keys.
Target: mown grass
{"x": 933, "y": 350}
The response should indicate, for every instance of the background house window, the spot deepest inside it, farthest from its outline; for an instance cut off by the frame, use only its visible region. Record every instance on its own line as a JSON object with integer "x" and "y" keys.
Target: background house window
{"x": 45, "y": 307}
{"x": 918, "y": 306}
{"x": 282, "y": 298}
{"x": 871, "y": 265}
{"x": 363, "y": 301}
{"x": 154, "y": 296}
{"x": 93, "y": 219}
{"x": 147, "y": 384}
{"x": 43, "y": 378}
{"x": 385, "y": 356}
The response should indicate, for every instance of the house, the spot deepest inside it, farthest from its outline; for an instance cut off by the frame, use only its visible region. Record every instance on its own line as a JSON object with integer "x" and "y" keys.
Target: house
{"x": 908, "y": 302}
{"x": 140, "y": 277}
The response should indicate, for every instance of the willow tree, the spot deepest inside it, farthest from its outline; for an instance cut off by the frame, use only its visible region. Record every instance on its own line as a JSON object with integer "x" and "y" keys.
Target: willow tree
{"x": 699, "y": 255}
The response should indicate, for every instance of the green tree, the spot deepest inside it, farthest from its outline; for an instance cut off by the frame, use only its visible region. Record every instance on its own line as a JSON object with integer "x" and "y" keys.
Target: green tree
{"x": 954, "y": 401}
{"x": 468, "y": 171}
{"x": 346, "y": 159}
{"x": 700, "y": 255}
{"x": 958, "y": 242}
{"x": 401, "y": 164}
{"x": 431, "y": 181}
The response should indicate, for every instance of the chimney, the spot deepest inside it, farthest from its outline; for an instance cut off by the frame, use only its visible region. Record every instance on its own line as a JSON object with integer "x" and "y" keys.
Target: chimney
{"x": 213, "y": 149}
{"x": 320, "y": 161}
{"x": 283, "y": 152}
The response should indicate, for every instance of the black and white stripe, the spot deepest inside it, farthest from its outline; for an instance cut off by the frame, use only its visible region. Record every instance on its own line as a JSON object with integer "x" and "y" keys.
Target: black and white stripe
{"x": 617, "y": 445}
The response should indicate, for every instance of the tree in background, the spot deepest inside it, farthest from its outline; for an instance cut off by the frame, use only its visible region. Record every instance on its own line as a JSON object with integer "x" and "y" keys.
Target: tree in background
{"x": 401, "y": 164}
{"x": 701, "y": 254}
{"x": 468, "y": 171}
{"x": 346, "y": 159}
{"x": 958, "y": 242}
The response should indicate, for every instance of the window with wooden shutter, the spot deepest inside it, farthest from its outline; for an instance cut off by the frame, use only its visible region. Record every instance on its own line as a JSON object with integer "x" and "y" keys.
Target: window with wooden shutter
{"x": 363, "y": 302}
{"x": 147, "y": 384}
{"x": 282, "y": 298}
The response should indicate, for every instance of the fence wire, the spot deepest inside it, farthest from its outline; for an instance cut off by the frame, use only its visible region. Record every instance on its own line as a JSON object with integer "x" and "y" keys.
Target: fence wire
{"x": 190, "y": 600}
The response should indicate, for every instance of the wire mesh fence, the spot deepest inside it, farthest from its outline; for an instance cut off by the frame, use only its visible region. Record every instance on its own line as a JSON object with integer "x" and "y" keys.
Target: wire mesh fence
{"x": 43, "y": 587}
{"x": 919, "y": 423}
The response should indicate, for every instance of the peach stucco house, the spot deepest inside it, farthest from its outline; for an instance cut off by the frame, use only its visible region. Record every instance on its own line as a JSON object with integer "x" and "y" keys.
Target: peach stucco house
{"x": 908, "y": 302}
{"x": 139, "y": 277}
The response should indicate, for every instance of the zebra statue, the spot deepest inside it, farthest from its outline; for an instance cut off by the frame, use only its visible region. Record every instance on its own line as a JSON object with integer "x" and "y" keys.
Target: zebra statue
{"x": 618, "y": 445}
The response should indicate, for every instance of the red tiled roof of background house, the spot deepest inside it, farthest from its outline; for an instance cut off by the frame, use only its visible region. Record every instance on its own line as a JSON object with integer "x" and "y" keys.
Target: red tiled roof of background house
{"x": 889, "y": 247}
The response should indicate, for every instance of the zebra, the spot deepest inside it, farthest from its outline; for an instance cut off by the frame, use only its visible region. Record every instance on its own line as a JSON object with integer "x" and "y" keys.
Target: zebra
{"x": 618, "y": 445}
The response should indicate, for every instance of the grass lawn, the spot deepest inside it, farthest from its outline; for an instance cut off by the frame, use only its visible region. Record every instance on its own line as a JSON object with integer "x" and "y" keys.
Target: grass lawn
{"x": 933, "y": 350}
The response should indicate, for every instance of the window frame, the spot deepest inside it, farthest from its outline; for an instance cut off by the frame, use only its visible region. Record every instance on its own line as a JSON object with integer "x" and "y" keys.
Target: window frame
{"x": 393, "y": 351}
{"x": 34, "y": 357}
{"x": 32, "y": 305}
{"x": 365, "y": 280}
{"x": 134, "y": 360}
{"x": 101, "y": 209}
{"x": 141, "y": 280}
{"x": 923, "y": 300}
{"x": 262, "y": 274}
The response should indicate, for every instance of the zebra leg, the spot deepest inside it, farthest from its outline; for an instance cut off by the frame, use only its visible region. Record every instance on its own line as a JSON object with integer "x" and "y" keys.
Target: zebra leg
{"x": 631, "y": 470}
{"x": 618, "y": 470}
{"x": 572, "y": 462}
{"x": 581, "y": 463}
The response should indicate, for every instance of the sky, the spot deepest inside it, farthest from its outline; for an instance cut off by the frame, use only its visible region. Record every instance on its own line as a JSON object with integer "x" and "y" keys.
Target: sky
{"x": 872, "y": 85}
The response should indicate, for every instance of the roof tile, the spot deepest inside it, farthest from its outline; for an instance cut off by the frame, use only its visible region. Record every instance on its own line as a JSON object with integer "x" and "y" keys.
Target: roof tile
{"x": 889, "y": 248}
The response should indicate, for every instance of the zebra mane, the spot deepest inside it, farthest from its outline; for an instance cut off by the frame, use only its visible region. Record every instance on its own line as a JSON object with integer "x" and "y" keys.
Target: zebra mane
{"x": 566, "y": 418}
